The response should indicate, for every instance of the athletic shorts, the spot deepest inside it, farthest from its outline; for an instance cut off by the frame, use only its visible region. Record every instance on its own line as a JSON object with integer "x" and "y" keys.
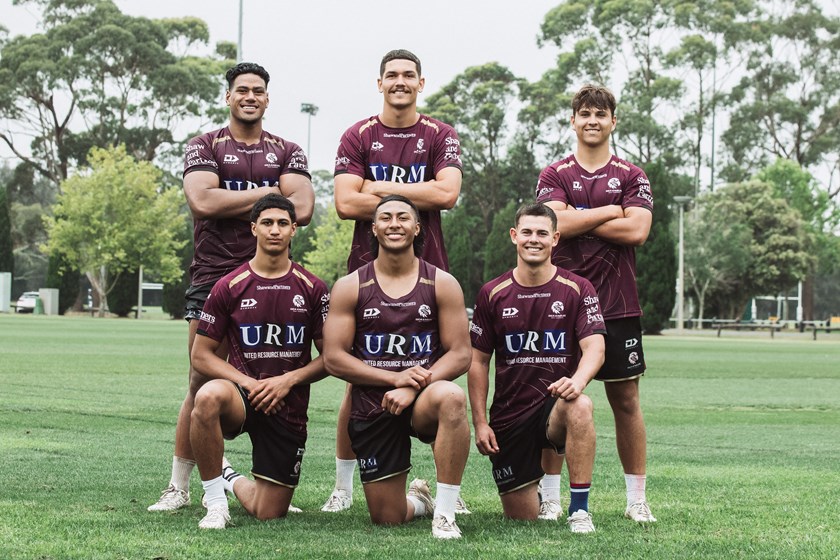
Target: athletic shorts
{"x": 195, "y": 297}
{"x": 518, "y": 462}
{"x": 276, "y": 449}
{"x": 625, "y": 358}
{"x": 383, "y": 445}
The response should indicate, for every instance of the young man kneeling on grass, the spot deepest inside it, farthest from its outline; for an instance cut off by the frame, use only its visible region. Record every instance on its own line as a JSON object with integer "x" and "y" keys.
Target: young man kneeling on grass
{"x": 545, "y": 326}
{"x": 269, "y": 310}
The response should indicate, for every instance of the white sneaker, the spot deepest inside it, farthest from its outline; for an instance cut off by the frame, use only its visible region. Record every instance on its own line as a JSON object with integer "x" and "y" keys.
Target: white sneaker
{"x": 216, "y": 518}
{"x": 461, "y": 507}
{"x": 339, "y": 500}
{"x": 419, "y": 489}
{"x": 293, "y": 509}
{"x": 550, "y": 510}
{"x": 580, "y": 522}
{"x": 171, "y": 499}
{"x": 442, "y": 528}
{"x": 639, "y": 512}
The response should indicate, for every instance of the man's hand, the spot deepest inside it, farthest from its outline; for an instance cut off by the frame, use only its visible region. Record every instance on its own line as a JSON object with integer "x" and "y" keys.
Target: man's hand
{"x": 416, "y": 377}
{"x": 268, "y": 394}
{"x": 397, "y": 400}
{"x": 566, "y": 388}
{"x": 485, "y": 439}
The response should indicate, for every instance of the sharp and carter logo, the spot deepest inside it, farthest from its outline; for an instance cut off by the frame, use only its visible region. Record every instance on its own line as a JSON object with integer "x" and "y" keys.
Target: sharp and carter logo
{"x": 370, "y": 313}
{"x": 248, "y": 303}
{"x": 510, "y": 312}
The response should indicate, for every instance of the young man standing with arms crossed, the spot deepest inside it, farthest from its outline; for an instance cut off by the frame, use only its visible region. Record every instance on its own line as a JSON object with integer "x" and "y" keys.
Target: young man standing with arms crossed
{"x": 604, "y": 210}
{"x": 399, "y": 151}
{"x": 225, "y": 172}
{"x": 398, "y": 332}
{"x": 536, "y": 318}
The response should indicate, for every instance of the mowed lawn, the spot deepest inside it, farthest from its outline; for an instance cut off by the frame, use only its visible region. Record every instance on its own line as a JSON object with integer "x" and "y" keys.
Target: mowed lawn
{"x": 744, "y": 458}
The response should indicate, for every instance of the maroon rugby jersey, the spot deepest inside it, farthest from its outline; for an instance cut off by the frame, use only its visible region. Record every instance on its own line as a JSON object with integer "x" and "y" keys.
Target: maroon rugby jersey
{"x": 393, "y": 334}
{"x": 269, "y": 324}
{"x": 415, "y": 154}
{"x": 610, "y": 267}
{"x": 535, "y": 333}
{"x": 223, "y": 244}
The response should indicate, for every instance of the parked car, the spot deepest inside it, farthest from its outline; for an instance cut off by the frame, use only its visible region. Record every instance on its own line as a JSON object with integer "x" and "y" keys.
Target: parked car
{"x": 26, "y": 302}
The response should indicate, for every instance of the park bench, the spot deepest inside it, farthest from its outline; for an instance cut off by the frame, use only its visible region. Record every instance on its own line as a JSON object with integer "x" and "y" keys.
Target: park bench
{"x": 721, "y": 325}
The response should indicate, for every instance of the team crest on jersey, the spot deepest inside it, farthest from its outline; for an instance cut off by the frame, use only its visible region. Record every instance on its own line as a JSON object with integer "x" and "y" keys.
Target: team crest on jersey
{"x": 377, "y": 146}
{"x": 298, "y": 300}
{"x": 271, "y": 157}
{"x": 633, "y": 358}
{"x": 419, "y": 149}
{"x": 614, "y": 185}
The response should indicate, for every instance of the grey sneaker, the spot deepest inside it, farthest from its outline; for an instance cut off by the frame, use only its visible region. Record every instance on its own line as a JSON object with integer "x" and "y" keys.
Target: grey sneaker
{"x": 461, "y": 507}
{"x": 550, "y": 510}
{"x": 639, "y": 512}
{"x": 419, "y": 489}
{"x": 580, "y": 522}
{"x": 217, "y": 518}
{"x": 171, "y": 499}
{"x": 442, "y": 528}
{"x": 339, "y": 500}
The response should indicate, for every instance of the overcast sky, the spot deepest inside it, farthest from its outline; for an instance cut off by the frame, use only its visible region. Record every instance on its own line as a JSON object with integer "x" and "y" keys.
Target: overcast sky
{"x": 327, "y": 52}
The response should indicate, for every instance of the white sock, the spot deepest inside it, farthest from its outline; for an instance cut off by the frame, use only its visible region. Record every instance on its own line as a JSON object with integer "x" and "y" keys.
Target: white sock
{"x": 551, "y": 487}
{"x": 181, "y": 471}
{"x": 635, "y": 488}
{"x": 229, "y": 477}
{"x": 344, "y": 469}
{"x": 214, "y": 492}
{"x": 447, "y": 495}
{"x": 419, "y": 506}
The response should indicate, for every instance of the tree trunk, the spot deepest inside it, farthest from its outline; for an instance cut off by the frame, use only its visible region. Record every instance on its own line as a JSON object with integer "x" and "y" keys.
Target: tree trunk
{"x": 99, "y": 283}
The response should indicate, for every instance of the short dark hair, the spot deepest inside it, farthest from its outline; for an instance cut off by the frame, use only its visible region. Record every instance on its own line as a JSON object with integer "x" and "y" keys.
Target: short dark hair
{"x": 597, "y": 97}
{"x": 273, "y": 200}
{"x": 399, "y": 54}
{"x": 245, "y": 68}
{"x": 418, "y": 241}
{"x": 537, "y": 209}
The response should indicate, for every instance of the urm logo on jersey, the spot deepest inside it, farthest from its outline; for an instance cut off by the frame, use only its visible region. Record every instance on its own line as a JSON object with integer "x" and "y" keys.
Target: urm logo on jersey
{"x": 537, "y": 342}
{"x": 415, "y": 173}
{"x": 291, "y": 335}
{"x": 397, "y": 346}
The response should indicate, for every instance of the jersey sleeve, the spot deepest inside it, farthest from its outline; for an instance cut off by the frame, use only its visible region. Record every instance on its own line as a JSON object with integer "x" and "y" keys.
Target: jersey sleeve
{"x": 322, "y": 297}
{"x": 296, "y": 161}
{"x": 214, "y": 316}
{"x": 198, "y": 156}
{"x": 637, "y": 191}
{"x": 549, "y": 188}
{"x": 349, "y": 157}
{"x": 590, "y": 319}
{"x": 482, "y": 335}
{"x": 447, "y": 150}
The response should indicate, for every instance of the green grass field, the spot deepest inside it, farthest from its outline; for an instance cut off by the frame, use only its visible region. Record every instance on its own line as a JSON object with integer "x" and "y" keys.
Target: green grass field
{"x": 744, "y": 458}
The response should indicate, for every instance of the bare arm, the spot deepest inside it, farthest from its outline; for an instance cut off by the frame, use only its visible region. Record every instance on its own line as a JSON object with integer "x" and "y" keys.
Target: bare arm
{"x": 339, "y": 331}
{"x": 631, "y": 229}
{"x": 572, "y": 222}
{"x": 205, "y": 361}
{"x": 591, "y": 360}
{"x": 453, "y": 327}
{"x": 439, "y": 194}
{"x": 350, "y": 202}
{"x": 206, "y": 200}
{"x": 298, "y": 188}
{"x": 478, "y": 383}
